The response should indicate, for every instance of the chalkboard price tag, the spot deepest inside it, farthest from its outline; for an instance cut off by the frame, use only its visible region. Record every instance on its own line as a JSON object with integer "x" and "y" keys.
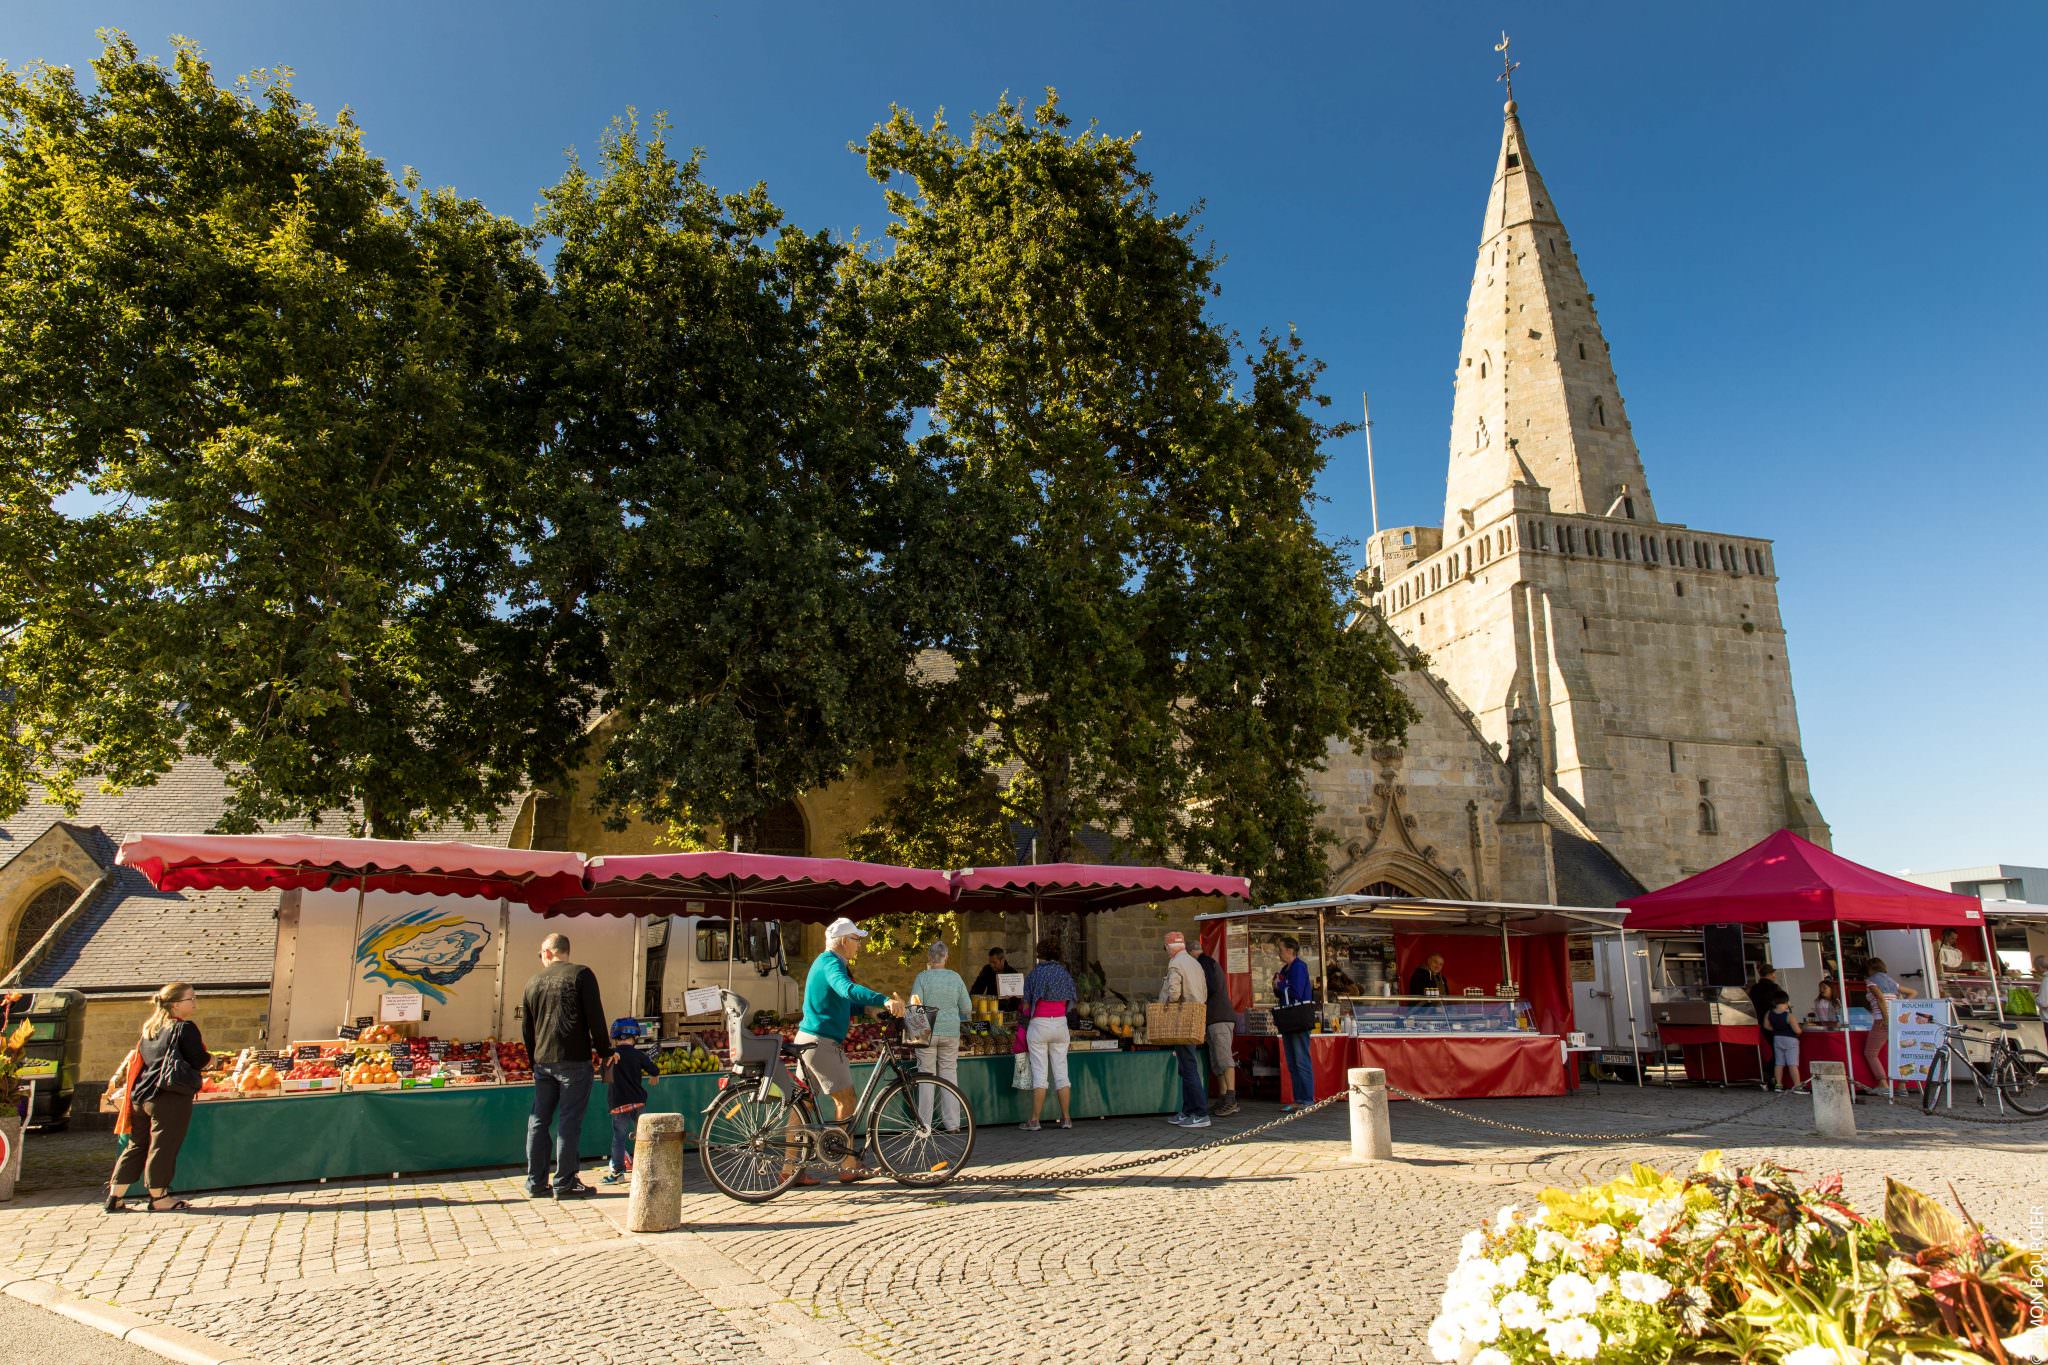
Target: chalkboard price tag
{"x": 349, "y": 1031}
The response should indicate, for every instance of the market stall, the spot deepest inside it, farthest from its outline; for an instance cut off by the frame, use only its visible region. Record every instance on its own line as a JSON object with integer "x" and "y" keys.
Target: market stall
{"x": 1497, "y": 1025}
{"x": 1785, "y": 879}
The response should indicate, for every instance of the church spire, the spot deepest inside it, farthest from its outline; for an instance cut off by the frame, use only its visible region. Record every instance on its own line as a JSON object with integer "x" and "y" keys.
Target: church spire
{"x": 1536, "y": 398}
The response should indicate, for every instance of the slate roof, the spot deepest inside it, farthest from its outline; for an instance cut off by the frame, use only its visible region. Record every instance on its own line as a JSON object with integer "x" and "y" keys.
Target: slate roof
{"x": 133, "y": 937}
{"x": 1588, "y": 873}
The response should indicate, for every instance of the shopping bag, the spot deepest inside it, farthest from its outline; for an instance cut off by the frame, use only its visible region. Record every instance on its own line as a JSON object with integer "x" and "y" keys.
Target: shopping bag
{"x": 1020, "y": 1072}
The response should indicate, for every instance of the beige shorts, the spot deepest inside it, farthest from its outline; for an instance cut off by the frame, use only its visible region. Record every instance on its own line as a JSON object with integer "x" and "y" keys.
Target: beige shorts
{"x": 824, "y": 1067}
{"x": 1221, "y": 1056}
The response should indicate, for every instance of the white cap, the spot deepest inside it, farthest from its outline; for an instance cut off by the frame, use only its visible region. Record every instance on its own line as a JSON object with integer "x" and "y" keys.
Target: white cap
{"x": 844, "y": 928}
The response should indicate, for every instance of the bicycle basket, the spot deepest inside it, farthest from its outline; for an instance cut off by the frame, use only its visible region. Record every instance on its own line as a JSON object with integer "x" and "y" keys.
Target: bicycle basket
{"x": 917, "y": 1025}
{"x": 743, "y": 1045}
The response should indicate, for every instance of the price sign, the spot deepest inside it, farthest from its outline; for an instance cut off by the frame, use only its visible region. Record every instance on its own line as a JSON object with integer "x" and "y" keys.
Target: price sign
{"x": 401, "y": 1007}
{"x": 364, "y": 1021}
{"x": 348, "y": 1031}
{"x": 1009, "y": 984}
{"x": 306, "y": 1052}
{"x": 701, "y": 1000}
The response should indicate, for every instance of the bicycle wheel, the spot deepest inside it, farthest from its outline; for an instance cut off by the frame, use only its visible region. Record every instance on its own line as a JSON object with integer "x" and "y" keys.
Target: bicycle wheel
{"x": 918, "y": 1151}
{"x": 745, "y": 1148}
{"x": 2022, "y": 1080}
{"x": 1937, "y": 1081}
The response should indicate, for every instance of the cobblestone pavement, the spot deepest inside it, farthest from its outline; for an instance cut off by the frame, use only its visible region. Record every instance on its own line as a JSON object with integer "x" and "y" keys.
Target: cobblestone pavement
{"x": 1270, "y": 1247}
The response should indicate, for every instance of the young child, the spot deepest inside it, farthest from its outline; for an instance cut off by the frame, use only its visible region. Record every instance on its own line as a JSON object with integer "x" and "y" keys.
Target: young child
{"x": 627, "y": 1093}
{"x": 1785, "y": 1033}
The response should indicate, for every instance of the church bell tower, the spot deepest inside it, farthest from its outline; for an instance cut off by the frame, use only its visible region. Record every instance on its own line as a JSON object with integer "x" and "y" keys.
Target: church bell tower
{"x": 1646, "y": 659}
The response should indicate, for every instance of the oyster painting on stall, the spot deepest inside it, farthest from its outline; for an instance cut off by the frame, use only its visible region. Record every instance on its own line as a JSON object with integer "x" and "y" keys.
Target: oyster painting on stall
{"x": 428, "y": 950}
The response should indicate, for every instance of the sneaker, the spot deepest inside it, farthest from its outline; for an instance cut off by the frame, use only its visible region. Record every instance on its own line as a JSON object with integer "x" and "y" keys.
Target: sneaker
{"x": 1179, "y": 1120}
{"x": 1029, "y": 1125}
{"x": 1198, "y": 1121}
{"x": 577, "y": 1191}
{"x": 1225, "y": 1109}
{"x": 1289, "y": 1108}
{"x": 611, "y": 1177}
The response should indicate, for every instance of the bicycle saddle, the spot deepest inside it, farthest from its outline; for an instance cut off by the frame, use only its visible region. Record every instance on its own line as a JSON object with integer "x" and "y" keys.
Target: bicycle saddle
{"x": 790, "y": 1049}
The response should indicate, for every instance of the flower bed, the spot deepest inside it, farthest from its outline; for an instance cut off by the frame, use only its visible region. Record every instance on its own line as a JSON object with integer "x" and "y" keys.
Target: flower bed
{"x": 1739, "y": 1264}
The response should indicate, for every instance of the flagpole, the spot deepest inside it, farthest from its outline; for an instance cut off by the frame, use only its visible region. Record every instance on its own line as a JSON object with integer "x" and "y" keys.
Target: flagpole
{"x": 1371, "y": 481}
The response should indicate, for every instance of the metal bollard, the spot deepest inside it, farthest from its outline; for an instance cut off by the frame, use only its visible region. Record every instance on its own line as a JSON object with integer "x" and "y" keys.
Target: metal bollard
{"x": 1834, "y": 1109}
{"x": 1371, "y": 1137}
{"x": 656, "y": 1203}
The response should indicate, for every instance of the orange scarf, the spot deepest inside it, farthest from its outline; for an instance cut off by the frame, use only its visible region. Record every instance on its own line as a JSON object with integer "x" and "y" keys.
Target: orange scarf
{"x": 124, "y": 1123}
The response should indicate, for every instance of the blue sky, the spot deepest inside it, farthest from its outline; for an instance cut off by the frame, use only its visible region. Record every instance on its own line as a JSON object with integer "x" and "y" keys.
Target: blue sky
{"x": 1809, "y": 229}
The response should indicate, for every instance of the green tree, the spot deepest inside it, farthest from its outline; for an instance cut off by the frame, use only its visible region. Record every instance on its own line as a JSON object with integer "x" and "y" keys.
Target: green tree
{"x": 265, "y": 436}
{"x": 1149, "y": 636}
{"x": 733, "y": 490}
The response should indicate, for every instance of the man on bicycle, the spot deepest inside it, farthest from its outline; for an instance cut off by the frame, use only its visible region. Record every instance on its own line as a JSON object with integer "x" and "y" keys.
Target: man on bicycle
{"x": 830, "y": 997}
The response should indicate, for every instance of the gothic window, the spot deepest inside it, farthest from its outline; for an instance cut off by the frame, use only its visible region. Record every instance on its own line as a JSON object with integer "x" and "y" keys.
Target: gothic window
{"x": 1679, "y": 584}
{"x": 1407, "y": 537}
{"x": 40, "y": 914}
{"x": 1582, "y": 350}
{"x": 1479, "y": 434}
{"x": 1599, "y": 412}
{"x": 779, "y": 831}
{"x": 1709, "y": 824}
{"x": 1383, "y": 889}
{"x": 1628, "y": 508}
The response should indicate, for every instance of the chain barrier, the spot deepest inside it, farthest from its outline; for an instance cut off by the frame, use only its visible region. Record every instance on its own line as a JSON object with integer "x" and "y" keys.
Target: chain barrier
{"x": 1108, "y": 1168}
{"x": 1774, "y": 1097}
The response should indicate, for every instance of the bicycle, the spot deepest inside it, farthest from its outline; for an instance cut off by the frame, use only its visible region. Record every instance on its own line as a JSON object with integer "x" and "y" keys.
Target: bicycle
{"x": 2017, "y": 1075}
{"x": 762, "y": 1128}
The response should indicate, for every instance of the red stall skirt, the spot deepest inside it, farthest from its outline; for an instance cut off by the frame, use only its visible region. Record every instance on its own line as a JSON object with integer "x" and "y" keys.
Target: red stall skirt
{"x": 1441, "y": 1068}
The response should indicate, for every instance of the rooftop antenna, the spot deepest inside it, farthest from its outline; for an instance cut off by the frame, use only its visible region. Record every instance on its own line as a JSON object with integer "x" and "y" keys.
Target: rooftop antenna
{"x": 1371, "y": 483}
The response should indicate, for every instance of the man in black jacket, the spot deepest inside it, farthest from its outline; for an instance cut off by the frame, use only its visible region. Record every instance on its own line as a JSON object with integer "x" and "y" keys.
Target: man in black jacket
{"x": 563, "y": 1021}
{"x": 1222, "y": 1021}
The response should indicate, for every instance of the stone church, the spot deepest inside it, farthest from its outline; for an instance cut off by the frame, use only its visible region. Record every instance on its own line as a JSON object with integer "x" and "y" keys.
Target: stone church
{"x": 1607, "y": 699}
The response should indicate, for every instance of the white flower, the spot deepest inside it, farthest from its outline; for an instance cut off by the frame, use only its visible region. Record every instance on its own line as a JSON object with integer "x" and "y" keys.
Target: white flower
{"x": 1510, "y": 1269}
{"x": 1444, "y": 1339}
{"x": 1521, "y": 1309}
{"x": 1660, "y": 1218}
{"x": 1460, "y": 1296}
{"x": 1540, "y": 1218}
{"x": 2031, "y": 1344}
{"x": 1813, "y": 1355}
{"x": 1479, "y": 1323}
{"x": 1473, "y": 1244}
{"x": 1504, "y": 1221}
{"x": 1603, "y": 1286}
{"x": 1640, "y": 1287}
{"x": 1599, "y": 1235}
{"x": 1647, "y": 1250}
{"x": 1572, "y": 1292}
{"x": 1476, "y": 1274}
{"x": 1492, "y": 1356}
{"x": 1633, "y": 1203}
{"x": 1573, "y": 1339}
{"x": 1550, "y": 1246}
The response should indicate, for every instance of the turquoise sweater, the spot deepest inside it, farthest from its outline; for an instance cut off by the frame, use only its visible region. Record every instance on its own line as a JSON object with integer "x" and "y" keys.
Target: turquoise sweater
{"x": 831, "y": 995}
{"x": 942, "y": 988}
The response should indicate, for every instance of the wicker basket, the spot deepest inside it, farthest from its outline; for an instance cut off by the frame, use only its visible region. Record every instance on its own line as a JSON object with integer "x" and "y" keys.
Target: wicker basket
{"x": 1186, "y": 1022}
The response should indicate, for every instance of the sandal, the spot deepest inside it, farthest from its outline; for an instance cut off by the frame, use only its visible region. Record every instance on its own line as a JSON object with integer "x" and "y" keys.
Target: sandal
{"x": 175, "y": 1206}
{"x": 858, "y": 1173}
{"x": 804, "y": 1179}
{"x": 117, "y": 1204}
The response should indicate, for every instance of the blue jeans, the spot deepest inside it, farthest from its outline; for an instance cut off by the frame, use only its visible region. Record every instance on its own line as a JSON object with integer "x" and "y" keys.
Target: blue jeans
{"x": 1300, "y": 1074}
{"x": 623, "y": 1135}
{"x": 563, "y": 1086}
{"x": 1194, "y": 1085}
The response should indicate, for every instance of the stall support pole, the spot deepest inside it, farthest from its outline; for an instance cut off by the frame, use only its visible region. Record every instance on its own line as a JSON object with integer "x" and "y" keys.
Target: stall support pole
{"x": 1507, "y": 968}
{"x": 1628, "y": 984}
{"x": 498, "y": 989}
{"x": 1991, "y": 964}
{"x": 732, "y": 928}
{"x": 1842, "y": 990}
{"x": 1323, "y": 962}
{"x": 348, "y": 999}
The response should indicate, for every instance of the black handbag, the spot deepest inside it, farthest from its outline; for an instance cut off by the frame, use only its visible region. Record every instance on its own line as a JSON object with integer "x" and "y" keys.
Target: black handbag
{"x": 1294, "y": 1018}
{"x": 175, "y": 1075}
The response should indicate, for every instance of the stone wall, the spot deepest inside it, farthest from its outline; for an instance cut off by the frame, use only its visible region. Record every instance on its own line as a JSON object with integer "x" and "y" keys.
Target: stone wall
{"x": 229, "y": 1021}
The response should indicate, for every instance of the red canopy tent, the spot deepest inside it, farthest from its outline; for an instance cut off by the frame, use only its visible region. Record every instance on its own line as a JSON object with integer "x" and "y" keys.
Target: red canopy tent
{"x": 318, "y": 862}
{"x": 1787, "y": 878}
{"x": 1082, "y": 888}
{"x": 814, "y": 890}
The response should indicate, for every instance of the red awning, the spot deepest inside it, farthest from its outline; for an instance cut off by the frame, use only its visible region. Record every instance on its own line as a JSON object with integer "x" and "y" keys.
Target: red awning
{"x": 1787, "y": 878}
{"x": 764, "y": 886}
{"x": 1077, "y": 888}
{"x": 312, "y": 862}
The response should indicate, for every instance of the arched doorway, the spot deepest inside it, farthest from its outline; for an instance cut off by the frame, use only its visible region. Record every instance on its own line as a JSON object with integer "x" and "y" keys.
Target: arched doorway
{"x": 780, "y": 831}
{"x": 38, "y": 916}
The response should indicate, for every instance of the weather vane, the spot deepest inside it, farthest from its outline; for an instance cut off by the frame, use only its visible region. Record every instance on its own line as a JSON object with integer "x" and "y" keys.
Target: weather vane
{"x": 1507, "y": 68}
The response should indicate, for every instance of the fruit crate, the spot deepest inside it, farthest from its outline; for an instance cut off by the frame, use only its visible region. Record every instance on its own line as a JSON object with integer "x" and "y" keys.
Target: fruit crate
{"x": 360, "y": 1087}
{"x": 311, "y": 1085}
